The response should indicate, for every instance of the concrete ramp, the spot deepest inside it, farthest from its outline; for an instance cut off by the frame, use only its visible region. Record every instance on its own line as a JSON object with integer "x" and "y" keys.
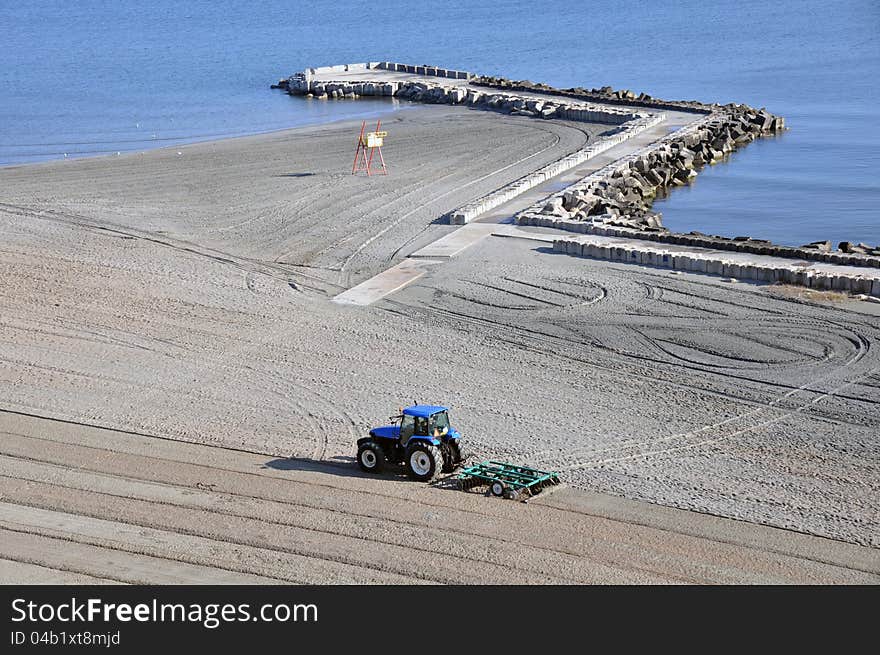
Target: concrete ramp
{"x": 454, "y": 242}
{"x": 385, "y": 283}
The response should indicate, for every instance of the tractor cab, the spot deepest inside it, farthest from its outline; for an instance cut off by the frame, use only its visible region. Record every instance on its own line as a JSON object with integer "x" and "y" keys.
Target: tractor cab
{"x": 420, "y": 436}
{"x": 424, "y": 421}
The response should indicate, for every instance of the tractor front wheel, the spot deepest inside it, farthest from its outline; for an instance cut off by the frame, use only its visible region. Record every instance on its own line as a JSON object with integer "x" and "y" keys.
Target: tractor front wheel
{"x": 423, "y": 461}
{"x": 371, "y": 457}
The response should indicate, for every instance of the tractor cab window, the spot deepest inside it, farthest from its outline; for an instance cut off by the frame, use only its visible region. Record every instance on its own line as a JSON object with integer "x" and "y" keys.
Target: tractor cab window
{"x": 406, "y": 427}
{"x": 439, "y": 423}
{"x": 421, "y": 426}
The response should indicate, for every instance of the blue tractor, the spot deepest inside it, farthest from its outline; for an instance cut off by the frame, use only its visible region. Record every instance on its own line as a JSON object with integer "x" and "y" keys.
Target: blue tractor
{"x": 420, "y": 437}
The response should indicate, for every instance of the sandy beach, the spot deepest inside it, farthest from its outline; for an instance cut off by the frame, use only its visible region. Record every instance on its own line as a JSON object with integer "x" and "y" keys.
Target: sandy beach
{"x": 184, "y": 294}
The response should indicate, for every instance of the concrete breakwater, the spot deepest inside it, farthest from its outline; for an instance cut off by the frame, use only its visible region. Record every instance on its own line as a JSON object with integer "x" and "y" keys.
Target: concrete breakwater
{"x": 616, "y": 200}
{"x": 622, "y": 193}
{"x": 605, "y": 94}
{"x": 730, "y": 265}
{"x": 603, "y": 226}
{"x": 453, "y": 90}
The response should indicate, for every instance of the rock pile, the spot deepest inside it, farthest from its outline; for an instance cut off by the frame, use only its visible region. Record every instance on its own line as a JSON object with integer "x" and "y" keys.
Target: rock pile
{"x": 859, "y": 249}
{"x": 844, "y": 247}
{"x": 622, "y": 194}
{"x": 514, "y": 104}
{"x": 457, "y": 94}
{"x": 604, "y": 94}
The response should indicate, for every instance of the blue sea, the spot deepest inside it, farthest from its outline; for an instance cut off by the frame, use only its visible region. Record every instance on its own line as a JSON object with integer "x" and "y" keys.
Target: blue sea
{"x": 89, "y": 77}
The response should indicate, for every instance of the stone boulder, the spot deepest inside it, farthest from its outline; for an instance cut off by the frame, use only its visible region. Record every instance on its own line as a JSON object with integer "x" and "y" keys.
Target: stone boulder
{"x": 821, "y": 246}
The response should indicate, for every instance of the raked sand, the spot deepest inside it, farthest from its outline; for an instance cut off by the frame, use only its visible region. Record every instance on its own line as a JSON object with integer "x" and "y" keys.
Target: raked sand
{"x": 185, "y": 294}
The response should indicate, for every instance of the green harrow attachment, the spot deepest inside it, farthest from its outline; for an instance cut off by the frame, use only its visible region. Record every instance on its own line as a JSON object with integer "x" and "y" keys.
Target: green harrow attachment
{"x": 507, "y": 480}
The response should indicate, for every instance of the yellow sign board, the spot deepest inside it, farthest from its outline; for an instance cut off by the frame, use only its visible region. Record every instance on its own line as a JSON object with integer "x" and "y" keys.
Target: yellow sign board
{"x": 374, "y": 139}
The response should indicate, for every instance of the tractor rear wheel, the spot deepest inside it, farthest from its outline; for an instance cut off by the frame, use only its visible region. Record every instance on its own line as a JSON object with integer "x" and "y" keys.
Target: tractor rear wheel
{"x": 455, "y": 456}
{"x": 371, "y": 457}
{"x": 423, "y": 461}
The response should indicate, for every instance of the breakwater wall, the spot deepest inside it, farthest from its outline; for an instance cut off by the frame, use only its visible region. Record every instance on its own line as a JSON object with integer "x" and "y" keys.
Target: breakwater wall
{"x": 605, "y": 226}
{"x": 605, "y": 94}
{"x": 616, "y": 200}
{"x": 623, "y": 192}
{"x": 424, "y": 70}
{"x": 451, "y": 87}
{"x": 470, "y": 211}
{"x": 757, "y": 269}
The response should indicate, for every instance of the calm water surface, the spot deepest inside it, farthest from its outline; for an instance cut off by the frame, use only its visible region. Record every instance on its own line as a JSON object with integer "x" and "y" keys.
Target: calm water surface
{"x": 96, "y": 77}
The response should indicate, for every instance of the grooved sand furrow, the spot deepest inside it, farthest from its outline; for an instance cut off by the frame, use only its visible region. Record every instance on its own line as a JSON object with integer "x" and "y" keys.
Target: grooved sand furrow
{"x": 581, "y": 548}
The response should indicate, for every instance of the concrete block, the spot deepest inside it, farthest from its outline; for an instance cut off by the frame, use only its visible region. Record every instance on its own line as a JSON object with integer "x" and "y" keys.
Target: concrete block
{"x": 875, "y": 287}
{"x": 750, "y": 272}
{"x": 841, "y": 283}
{"x": 861, "y": 285}
{"x": 715, "y": 267}
{"x": 814, "y": 281}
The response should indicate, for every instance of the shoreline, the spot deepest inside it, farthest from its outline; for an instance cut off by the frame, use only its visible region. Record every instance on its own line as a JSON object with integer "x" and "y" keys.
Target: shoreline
{"x": 360, "y": 115}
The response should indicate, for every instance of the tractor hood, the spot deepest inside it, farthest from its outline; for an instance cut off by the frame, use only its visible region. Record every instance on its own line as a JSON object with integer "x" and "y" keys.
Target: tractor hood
{"x": 386, "y": 432}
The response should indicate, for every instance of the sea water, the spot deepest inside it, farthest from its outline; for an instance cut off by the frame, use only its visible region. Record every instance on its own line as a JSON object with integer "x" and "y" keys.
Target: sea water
{"x": 100, "y": 77}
